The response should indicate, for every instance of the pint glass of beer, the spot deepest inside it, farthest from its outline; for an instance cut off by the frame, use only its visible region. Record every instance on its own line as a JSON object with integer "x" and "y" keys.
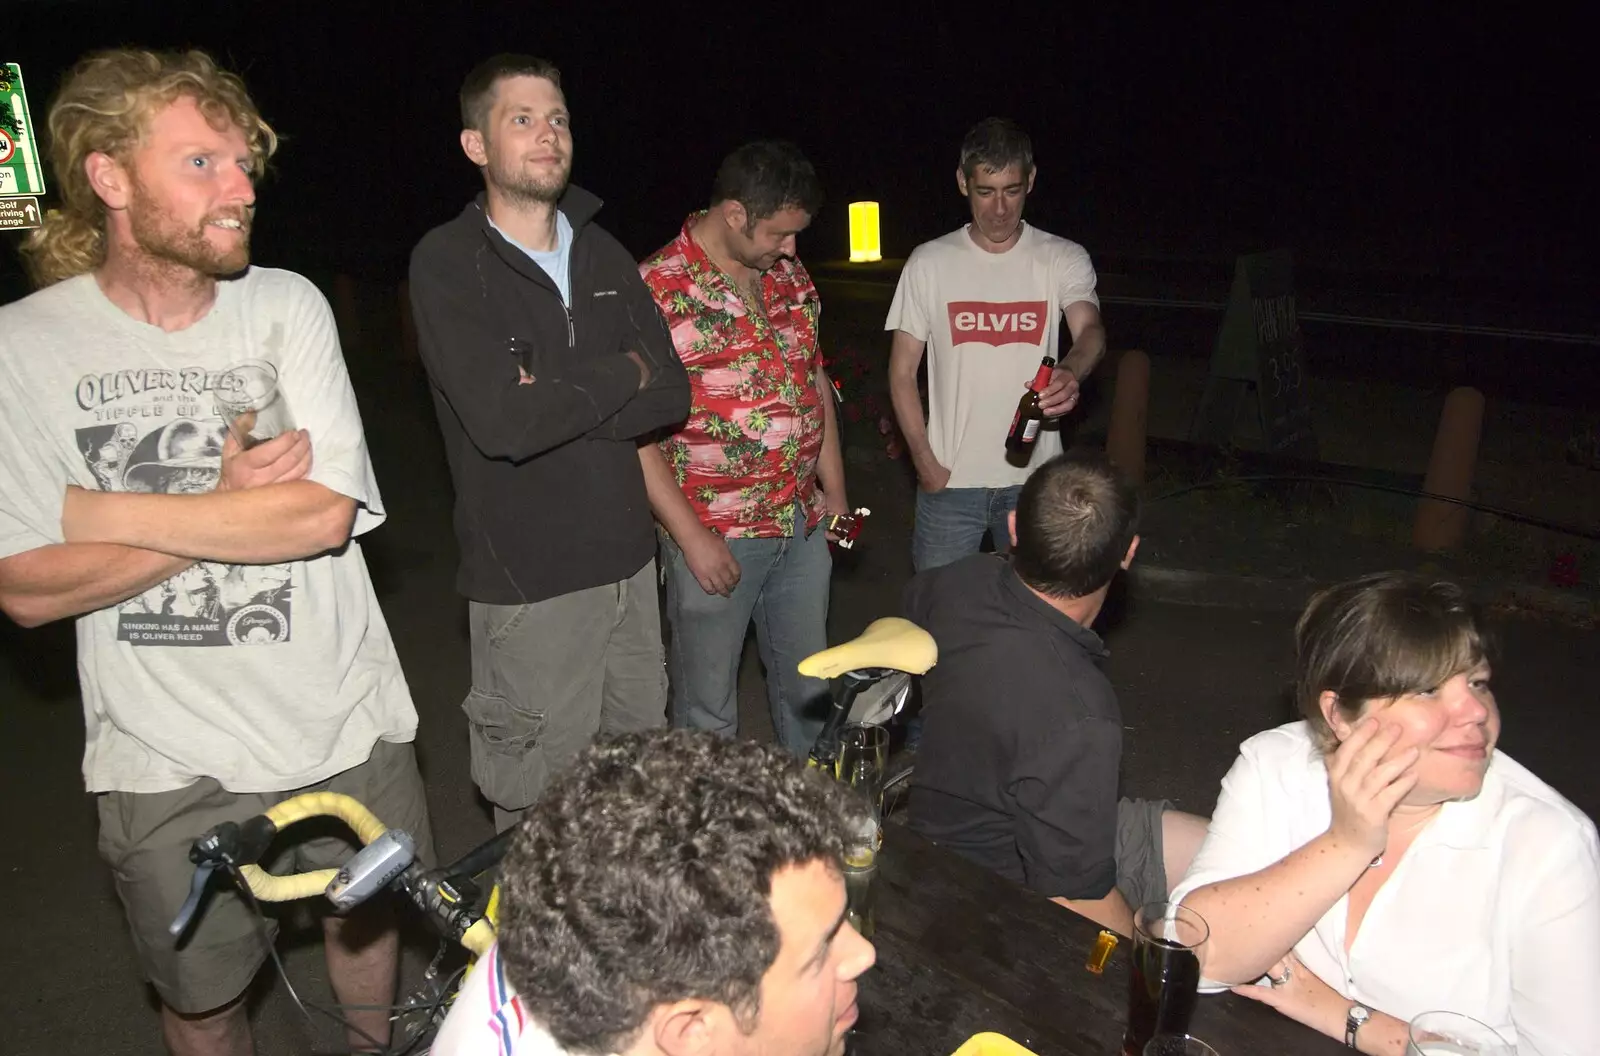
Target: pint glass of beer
{"x": 1164, "y": 980}
{"x": 250, "y": 402}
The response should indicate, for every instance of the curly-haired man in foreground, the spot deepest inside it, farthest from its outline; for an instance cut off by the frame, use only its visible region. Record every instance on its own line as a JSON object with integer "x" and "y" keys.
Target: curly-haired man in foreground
{"x": 673, "y": 892}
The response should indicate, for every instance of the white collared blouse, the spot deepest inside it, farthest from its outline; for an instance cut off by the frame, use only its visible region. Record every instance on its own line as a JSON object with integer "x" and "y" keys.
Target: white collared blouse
{"x": 1494, "y": 910}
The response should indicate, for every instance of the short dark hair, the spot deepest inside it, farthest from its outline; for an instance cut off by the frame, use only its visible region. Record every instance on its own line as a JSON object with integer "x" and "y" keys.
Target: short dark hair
{"x": 1379, "y": 637}
{"x": 996, "y": 143}
{"x": 766, "y": 176}
{"x": 1076, "y": 517}
{"x": 643, "y": 875}
{"x": 477, "y": 91}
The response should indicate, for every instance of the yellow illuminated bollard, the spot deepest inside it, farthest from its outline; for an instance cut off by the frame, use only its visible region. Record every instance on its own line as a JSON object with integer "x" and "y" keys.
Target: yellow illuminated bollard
{"x": 864, "y": 245}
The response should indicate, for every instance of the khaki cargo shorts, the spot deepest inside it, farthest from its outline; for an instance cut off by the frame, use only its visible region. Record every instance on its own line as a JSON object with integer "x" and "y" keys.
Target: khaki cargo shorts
{"x": 145, "y": 838}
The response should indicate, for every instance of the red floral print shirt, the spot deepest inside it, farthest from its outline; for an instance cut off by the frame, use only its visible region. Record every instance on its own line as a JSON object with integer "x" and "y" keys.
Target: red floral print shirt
{"x": 747, "y": 454}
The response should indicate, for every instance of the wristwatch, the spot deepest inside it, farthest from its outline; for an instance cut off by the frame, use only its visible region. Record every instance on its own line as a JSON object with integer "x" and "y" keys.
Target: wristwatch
{"x": 1353, "y": 1021}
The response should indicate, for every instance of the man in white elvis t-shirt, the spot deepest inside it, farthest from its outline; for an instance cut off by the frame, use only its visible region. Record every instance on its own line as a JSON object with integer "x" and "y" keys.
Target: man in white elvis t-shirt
{"x": 231, "y": 650}
{"x": 986, "y": 303}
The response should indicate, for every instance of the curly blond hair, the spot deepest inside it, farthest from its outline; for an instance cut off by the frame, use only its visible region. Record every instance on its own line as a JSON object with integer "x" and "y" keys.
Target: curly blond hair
{"x": 104, "y": 106}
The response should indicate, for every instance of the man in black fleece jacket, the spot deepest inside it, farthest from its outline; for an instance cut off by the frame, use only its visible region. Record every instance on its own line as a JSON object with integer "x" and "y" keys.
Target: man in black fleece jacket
{"x": 546, "y": 358}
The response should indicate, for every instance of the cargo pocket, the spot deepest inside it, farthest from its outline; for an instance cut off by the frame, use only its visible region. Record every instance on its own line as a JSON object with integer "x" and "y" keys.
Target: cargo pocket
{"x": 508, "y": 762}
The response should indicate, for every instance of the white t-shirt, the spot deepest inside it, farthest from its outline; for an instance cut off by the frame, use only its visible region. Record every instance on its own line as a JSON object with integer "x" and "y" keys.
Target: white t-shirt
{"x": 264, "y": 677}
{"x": 488, "y": 1019}
{"x": 1493, "y": 912}
{"x": 988, "y": 318}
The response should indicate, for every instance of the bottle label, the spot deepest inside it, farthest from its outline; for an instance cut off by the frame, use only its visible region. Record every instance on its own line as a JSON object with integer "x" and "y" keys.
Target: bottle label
{"x": 1030, "y": 431}
{"x": 1041, "y": 380}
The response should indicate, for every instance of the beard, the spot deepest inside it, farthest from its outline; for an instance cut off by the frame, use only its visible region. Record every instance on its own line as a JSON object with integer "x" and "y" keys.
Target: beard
{"x": 523, "y": 187}
{"x": 165, "y": 238}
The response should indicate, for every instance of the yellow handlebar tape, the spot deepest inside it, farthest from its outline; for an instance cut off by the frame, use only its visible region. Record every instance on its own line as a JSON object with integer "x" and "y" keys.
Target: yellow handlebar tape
{"x": 478, "y": 938}
{"x": 270, "y": 888}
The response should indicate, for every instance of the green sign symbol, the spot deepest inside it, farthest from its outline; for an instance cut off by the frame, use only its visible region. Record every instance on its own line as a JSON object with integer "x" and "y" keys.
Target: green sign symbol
{"x": 20, "y": 170}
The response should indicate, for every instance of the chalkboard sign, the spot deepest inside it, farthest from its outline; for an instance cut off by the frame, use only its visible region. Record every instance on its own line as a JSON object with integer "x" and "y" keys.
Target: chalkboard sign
{"x": 1260, "y": 353}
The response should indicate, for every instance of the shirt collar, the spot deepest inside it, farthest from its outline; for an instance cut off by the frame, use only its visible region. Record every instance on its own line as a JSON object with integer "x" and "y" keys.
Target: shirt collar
{"x": 697, "y": 262}
{"x": 563, "y": 236}
{"x": 707, "y": 272}
{"x": 1468, "y": 823}
{"x": 1081, "y": 636}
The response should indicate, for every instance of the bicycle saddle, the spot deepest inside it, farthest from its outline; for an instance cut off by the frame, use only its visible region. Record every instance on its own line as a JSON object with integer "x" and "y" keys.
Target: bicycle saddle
{"x": 890, "y": 642}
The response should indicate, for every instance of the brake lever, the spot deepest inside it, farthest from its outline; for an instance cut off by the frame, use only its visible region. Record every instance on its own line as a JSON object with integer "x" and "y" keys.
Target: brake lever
{"x": 222, "y": 845}
{"x": 197, "y": 888}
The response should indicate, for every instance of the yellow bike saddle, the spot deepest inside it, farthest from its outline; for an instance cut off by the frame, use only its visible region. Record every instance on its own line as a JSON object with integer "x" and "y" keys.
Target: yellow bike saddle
{"x": 890, "y": 642}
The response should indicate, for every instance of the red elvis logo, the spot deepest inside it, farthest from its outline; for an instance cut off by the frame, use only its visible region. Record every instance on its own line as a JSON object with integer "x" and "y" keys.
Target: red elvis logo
{"x": 997, "y": 322}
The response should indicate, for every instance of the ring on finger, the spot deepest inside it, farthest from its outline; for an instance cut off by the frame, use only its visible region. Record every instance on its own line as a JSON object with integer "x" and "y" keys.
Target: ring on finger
{"x": 1281, "y": 980}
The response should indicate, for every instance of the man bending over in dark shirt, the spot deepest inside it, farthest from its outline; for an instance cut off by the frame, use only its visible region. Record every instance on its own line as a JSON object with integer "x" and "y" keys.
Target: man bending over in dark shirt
{"x": 1017, "y": 768}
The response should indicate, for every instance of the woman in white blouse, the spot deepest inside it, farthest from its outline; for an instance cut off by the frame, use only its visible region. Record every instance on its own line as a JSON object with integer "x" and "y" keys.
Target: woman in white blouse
{"x": 1380, "y": 858}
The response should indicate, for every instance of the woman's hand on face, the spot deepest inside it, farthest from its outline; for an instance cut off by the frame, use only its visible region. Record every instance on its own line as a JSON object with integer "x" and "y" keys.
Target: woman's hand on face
{"x": 1368, "y": 776}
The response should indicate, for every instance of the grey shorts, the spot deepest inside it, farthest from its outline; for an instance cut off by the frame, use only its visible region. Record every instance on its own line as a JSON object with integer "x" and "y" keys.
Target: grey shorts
{"x": 145, "y": 838}
{"x": 1141, "y": 865}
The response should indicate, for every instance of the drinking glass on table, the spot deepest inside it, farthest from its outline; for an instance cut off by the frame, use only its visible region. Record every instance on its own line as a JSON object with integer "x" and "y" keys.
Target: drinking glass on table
{"x": 1177, "y": 1045}
{"x": 861, "y": 875}
{"x": 1452, "y": 1034}
{"x": 1164, "y": 978}
{"x": 863, "y": 755}
{"x": 251, "y": 404}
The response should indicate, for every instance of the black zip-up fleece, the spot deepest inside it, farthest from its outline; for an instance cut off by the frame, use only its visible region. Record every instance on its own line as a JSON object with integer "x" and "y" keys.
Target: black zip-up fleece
{"x": 549, "y": 494}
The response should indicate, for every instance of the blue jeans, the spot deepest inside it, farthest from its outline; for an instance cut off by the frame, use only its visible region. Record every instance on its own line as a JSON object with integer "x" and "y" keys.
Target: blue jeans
{"x": 950, "y": 523}
{"x": 783, "y": 587}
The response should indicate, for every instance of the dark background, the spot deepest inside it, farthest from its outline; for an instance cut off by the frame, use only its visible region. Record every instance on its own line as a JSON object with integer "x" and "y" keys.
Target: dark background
{"x": 1378, "y": 143}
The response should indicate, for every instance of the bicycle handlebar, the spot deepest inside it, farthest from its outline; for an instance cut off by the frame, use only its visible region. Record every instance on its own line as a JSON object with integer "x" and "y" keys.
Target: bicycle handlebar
{"x": 387, "y": 859}
{"x": 269, "y": 887}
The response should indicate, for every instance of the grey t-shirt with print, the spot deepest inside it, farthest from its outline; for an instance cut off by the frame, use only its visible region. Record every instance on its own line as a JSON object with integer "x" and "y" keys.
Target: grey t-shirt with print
{"x": 264, "y": 677}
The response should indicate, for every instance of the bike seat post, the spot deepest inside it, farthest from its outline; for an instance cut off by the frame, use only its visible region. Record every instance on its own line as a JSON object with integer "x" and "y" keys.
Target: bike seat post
{"x": 826, "y": 751}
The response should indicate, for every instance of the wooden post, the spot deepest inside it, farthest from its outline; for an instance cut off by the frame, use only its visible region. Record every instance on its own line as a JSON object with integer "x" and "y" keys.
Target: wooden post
{"x": 1130, "y": 406}
{"x": 1443, "y": 525}
{"x": 408, "y": 326}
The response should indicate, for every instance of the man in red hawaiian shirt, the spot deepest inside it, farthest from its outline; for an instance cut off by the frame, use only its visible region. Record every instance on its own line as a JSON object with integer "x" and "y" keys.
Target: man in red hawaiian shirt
{"x": 740, "y": 488}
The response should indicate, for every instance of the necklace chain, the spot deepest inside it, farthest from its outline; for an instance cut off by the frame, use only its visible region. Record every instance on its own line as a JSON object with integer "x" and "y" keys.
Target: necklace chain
{"x": 1405, "y": 832}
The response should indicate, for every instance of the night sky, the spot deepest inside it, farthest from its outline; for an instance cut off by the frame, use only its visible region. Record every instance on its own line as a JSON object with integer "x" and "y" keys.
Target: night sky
{"x": 1371, "y": 142}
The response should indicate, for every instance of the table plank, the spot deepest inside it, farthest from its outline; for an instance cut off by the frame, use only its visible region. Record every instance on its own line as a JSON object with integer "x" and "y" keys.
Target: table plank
{"x": 962, "y": 950}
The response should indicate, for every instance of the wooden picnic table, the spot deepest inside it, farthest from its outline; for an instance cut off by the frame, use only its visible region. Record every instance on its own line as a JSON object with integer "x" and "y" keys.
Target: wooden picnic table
{"x": 963, "y": 951}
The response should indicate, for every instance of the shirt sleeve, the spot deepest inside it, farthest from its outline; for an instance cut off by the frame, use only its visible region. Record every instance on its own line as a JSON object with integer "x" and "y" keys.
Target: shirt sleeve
{"x": 1065, "y": 790}
{"x": 1234, "y": 843}
{"x": 1555, "y": 959}
{"x": 664, "y": 401}
{"x": 32, "y": 485}
{"x": 322, "y": 402}
{"x": 1075, "y": 278}
{"x": 909, "y": 311}
{"x": 474, "y": 1025}
{"x": 679, "y": 309}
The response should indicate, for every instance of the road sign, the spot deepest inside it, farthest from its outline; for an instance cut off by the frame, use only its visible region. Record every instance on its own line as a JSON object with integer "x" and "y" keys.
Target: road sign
{"x": 20, "y": 171}
{"x": 1259, "y": 353}
{"x": 19, "y": 213}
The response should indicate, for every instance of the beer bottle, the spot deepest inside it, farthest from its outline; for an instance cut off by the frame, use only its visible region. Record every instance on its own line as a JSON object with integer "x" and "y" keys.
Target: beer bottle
{"x": 1025, "y": 424}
